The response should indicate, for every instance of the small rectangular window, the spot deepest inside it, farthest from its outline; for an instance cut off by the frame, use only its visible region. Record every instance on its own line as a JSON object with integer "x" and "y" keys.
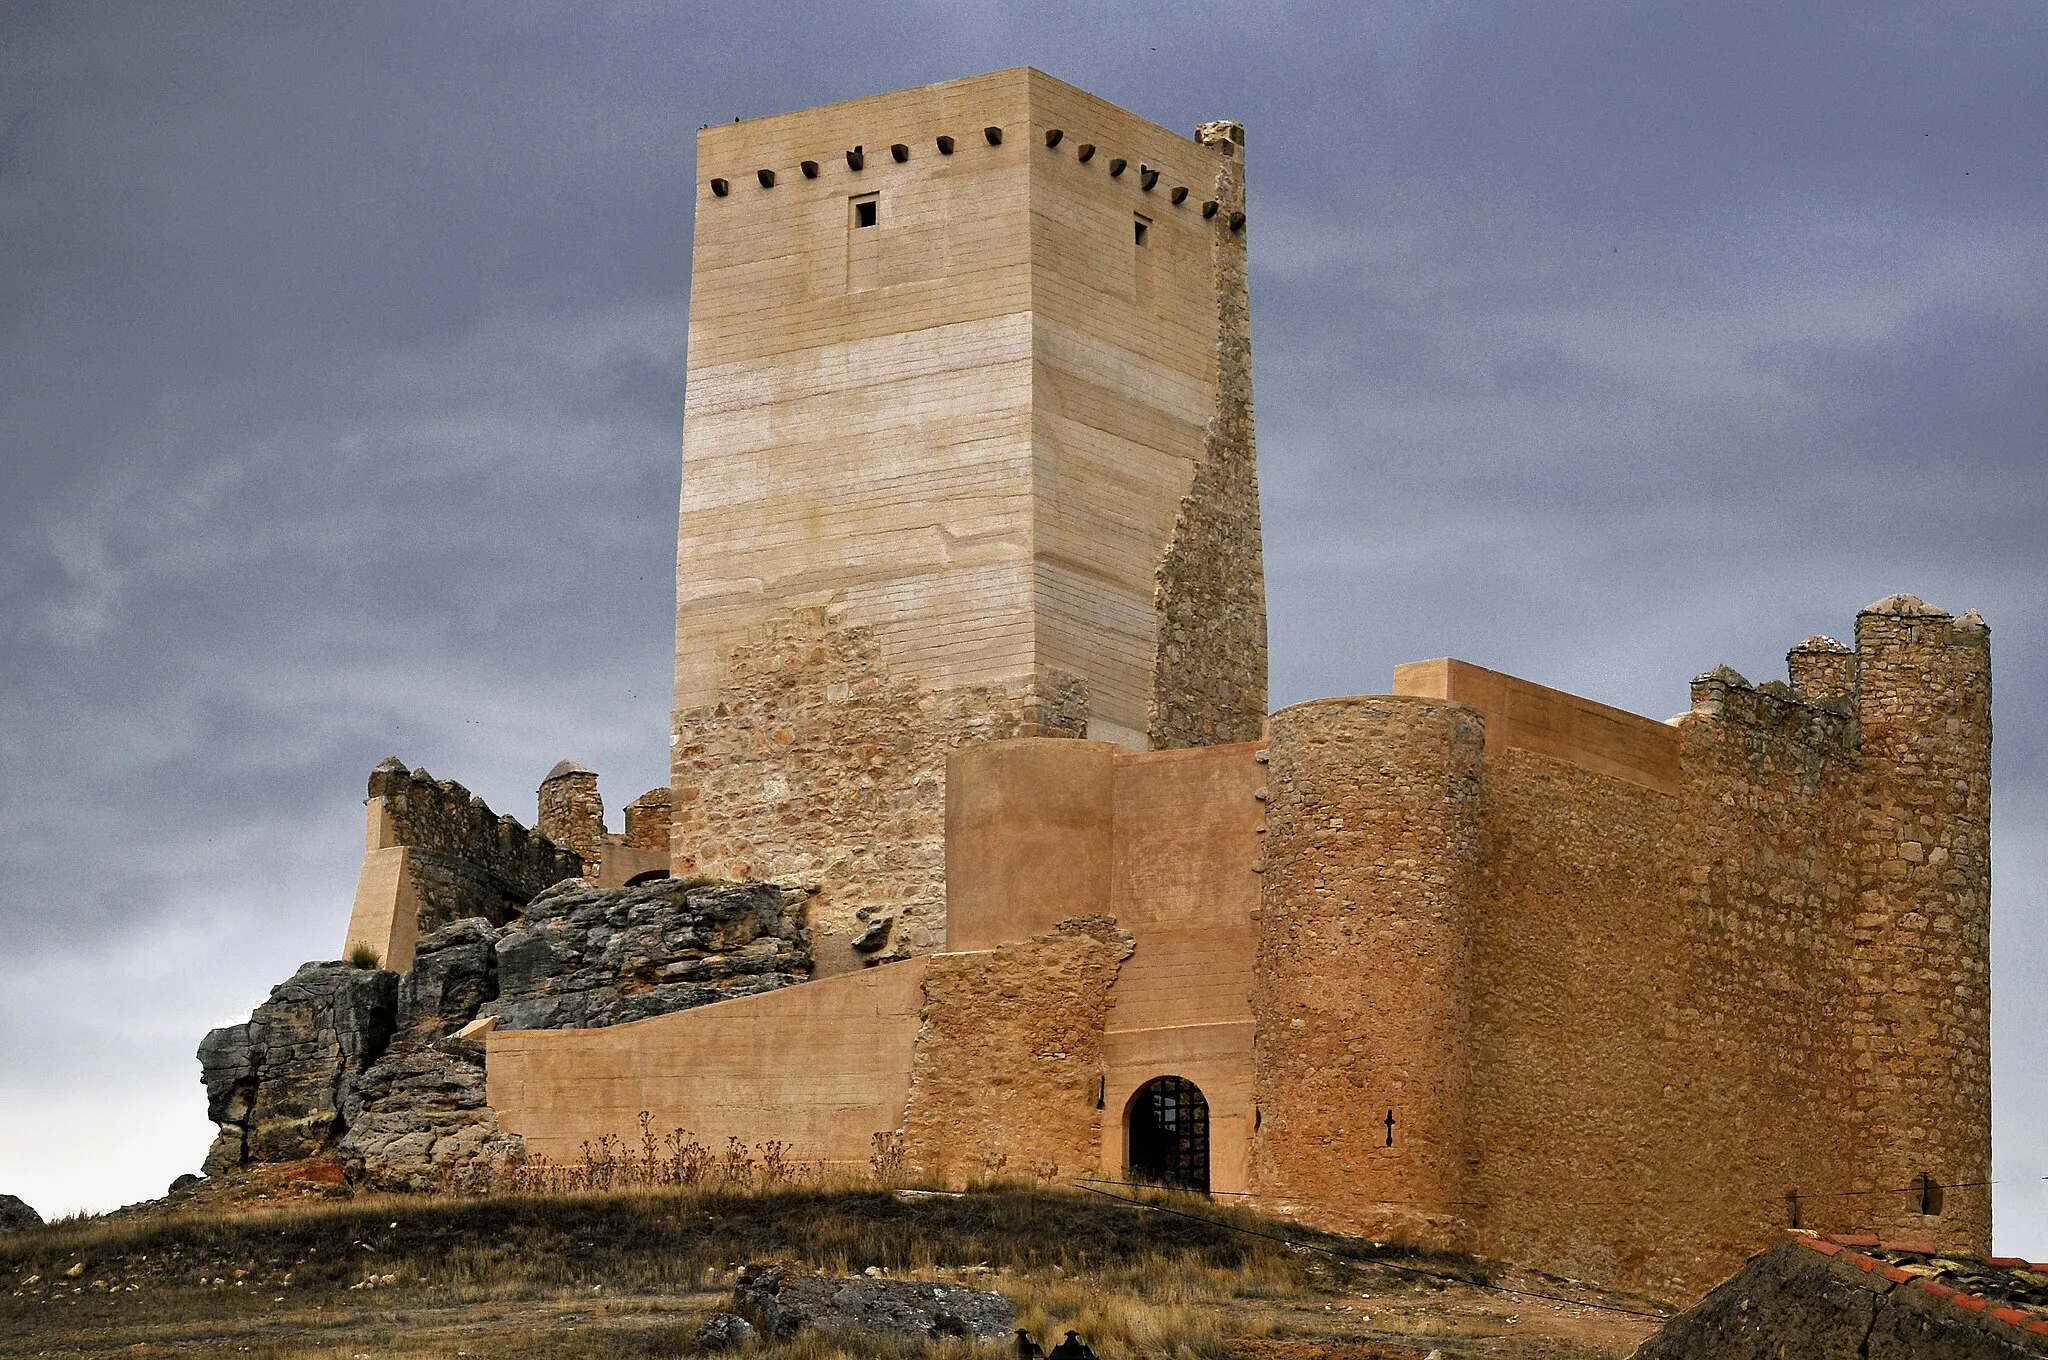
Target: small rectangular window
{"x": 1139, "y": 228}
{"x": 867, "y": 211}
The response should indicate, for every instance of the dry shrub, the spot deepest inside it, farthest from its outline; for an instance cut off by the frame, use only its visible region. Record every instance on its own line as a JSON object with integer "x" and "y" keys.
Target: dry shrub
{"x": 674, "y": 1160}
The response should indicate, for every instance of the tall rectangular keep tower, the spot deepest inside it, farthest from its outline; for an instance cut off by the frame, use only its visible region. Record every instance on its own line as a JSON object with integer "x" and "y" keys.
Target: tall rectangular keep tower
{"x": 967, "y": 455}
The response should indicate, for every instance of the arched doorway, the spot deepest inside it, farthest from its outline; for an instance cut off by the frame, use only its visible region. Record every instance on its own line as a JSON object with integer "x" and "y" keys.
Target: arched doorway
{"x": 1168, "y": 1119}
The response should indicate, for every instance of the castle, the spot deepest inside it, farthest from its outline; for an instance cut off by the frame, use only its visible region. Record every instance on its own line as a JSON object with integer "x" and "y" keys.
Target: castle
{"x": 971, "y": 661}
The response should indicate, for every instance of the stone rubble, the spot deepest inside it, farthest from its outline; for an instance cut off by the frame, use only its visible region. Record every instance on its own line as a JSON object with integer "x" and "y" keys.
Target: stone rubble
{"x": 784, "y": 1302}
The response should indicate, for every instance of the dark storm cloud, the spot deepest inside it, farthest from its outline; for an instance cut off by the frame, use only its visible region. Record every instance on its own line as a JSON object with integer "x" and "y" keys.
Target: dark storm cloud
{"x": 341, "y": 355}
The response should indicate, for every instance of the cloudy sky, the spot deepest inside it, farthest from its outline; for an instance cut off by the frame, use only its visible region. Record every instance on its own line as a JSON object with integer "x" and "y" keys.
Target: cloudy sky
{"x": 341, "y": 389}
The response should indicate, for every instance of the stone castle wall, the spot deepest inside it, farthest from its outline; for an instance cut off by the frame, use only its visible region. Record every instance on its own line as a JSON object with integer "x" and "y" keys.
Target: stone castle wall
{"x": 1920, "y": 1030}
{"x": 983, "y": 468}
{"x": 572, "y": 813}
{"x": 820, "y": 769}
{"x": 435, "y": 853}
{"x": 1695, "y": 1007}
{"x": 1006, "y": 1079}
{"x": 1362, "y": 986}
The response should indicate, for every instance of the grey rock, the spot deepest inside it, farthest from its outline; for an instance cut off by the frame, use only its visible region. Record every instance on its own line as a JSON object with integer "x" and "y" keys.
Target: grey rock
{"x": 15, "y": 1215}
{"x": 583, "y": 957}
{"x": 418, "y": 1121}
{"x": 309, "y": 1073}
{"x": 724, "y": 1332}
{"x": 275, "y": 1083}
{"x": 783, "y": 1302}
{"x": 454, "y": 972}
{"x": 1793, "y": 1303}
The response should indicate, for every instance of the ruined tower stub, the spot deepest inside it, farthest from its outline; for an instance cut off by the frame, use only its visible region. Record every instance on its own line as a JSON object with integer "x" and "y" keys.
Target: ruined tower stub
{"x": 1922, "y": 1018}
{"x": 967, "y": 455}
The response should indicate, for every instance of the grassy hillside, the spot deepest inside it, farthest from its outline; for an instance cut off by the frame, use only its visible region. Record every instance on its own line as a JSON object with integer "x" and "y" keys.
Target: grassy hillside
{"x": 630, "y": 1273}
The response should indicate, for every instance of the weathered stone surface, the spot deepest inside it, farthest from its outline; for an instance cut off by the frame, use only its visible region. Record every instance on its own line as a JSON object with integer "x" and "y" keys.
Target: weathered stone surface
{"x": 784, "y": 1302}
{"x": 466, "y": 860}
{"x": 1793, "y": 1303}
{"x": 15, "y": 1215}
{"x": 1009, "y": 1054}
{"x": 724, "y": 1332}
{"x": 275, "y": 1083}
{"x": 1209, "y": 591}
{"x": 585, "y": 957}
{"x": 418, "y": 1119}
{"x": 454, "y": 972}
{"x": 820, "y": 766}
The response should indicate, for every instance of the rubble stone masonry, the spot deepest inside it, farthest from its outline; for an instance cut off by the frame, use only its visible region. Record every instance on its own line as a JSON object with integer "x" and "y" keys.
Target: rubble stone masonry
{"x": 434, "y": 853}
{"x": 1209, "y": 667}
{"x": 1920, "y": 1030}
{"x": 1006, "y": 1077}
{"x": 819, "y": 769}
{"x": 1361, "y": 990}
{"x": 572, "y": 813}
{"x": 1632, "y": 1029}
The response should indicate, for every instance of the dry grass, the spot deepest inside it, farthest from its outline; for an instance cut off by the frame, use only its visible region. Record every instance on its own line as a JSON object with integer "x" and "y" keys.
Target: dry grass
{"x": 631, "y": 1272}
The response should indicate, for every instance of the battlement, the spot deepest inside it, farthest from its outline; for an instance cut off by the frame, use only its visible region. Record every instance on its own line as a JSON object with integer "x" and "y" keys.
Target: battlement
{"x": 435, "y": 853}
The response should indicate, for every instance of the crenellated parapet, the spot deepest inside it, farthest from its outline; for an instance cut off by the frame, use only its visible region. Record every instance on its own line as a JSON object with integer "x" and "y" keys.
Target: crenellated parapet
{"x": 435, "y": 853}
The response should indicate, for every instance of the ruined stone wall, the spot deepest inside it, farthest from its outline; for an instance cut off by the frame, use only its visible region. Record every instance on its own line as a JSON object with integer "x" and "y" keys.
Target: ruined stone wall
{"x": 435, "y": 853}
{"x": 1662, "y": 982}
{"x": 1009, "y": 1063}
{"x": 1209, "y": 662}
{"x": 1360, "y": 993}
{"x": 443, "y": 818}
{"x": 819, "y": 768}
{"x": 647, "y": 821}
{"x": 1921, "y": 1024}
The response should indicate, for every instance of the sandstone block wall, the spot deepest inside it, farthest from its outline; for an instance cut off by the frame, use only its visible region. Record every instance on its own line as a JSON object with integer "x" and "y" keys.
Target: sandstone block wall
{"x": 434, "y": 853}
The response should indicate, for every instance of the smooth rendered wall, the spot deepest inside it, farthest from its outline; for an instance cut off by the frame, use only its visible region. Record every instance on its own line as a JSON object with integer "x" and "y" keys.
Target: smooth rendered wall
{"x": 821, "y": 1067}
{"x": 1186, "y": 886}
{"x": 857, "y": 430}
{"x": 1128, "y": 313}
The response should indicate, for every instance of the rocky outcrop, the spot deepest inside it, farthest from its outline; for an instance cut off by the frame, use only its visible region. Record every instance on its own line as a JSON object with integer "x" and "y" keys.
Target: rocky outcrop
{"x": 783, "y": 1302}
{"x": 275, "y": 1084}
{"x": 418, "y": 1120}
{"x": 584, "y": 957}
{"x": 15, "y": 1215}
{"x": 454, "y": 973}
{"x": 362, "y": 1064}
{"x": 1899, "y": 1301}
